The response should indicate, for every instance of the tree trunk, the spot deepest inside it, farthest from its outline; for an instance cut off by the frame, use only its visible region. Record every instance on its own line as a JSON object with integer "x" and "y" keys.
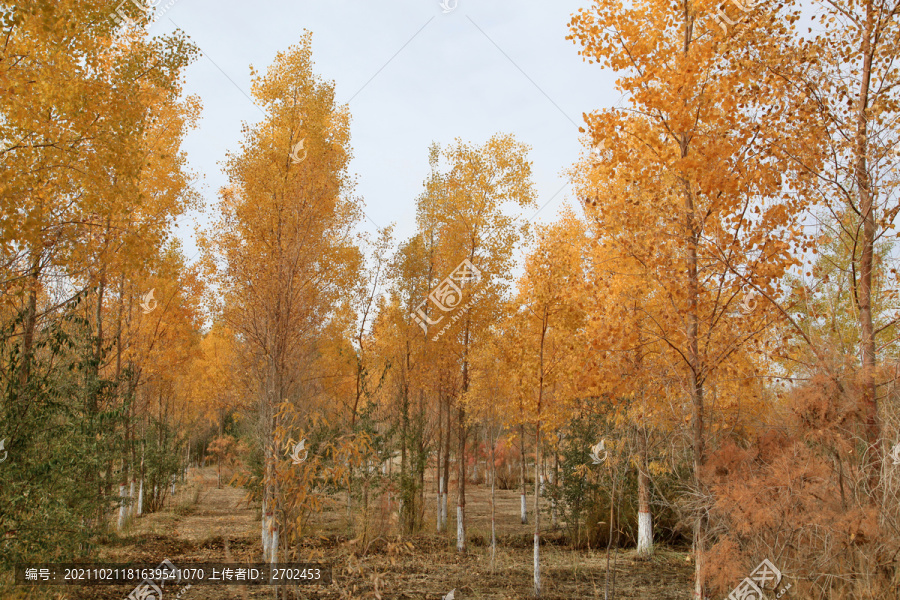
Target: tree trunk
{"x": 461, "y": 459}
{"x": 29, "y": 323}
{"x": 475, "y": 461}
{"x": 140, "y": 499}
{"x": 421, "y": 464}
{"x": 609, "y": 540}
{"x": 120, "y": 524}
{"x": 446, "y": 486}
{"x": 695, "y": 366}
{"x": 461, "y": 484}
{"x": 404, "y": 441}
{"x": 524, "y": 509}
{"x": 537, "y": 460}
{"x": 270, "y": 531}
{"x": 863, "y": 294}
{"x": 537, "y": 513}
{"x": 554, "y": 482}
{"x": 440, "y": 448}
{"x": 645, "y": 519}
{"x": 493, "y": 505}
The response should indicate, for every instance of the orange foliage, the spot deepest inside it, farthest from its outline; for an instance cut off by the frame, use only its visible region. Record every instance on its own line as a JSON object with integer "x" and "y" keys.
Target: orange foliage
{"x": 796, "y": 495}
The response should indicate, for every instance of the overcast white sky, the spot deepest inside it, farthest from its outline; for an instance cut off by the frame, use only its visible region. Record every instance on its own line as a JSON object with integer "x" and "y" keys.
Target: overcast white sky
{"x": 412, "y": 74}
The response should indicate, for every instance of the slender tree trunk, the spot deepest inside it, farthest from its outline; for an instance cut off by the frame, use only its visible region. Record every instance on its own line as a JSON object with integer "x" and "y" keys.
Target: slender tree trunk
{"x": 695, "y": 366}
{"x": 444, "y": 498}
{"x": 461, "y": 484}
{"x": 645, "y": 519}
{"x": 119, "y": 326}
{"x": 524, "y": 509}
{"x": 140, "y": 499}
{"x": 264, "y": 530}
{"x": 555, "y": 484}
{"x": 270, "y": 502}
{"x": 537, "y": 512}
{"x": 440, "y": 449}
{"x": 93, "y": 405}
{"x": 863, "y": 294}
{"x": 610, "y": 592}
{"x": 120, "y": 524}
{"x": 404, "y": 441}
{"x": 463, "y": 431}
{"x": 537, "y": 461}
{"x": 475, "y": 450}
{"x": 699, "y": 534}
{"x": 132, "y": 508}
{"x": 493, "y": 504}
{"x": 29, "y": 322}
{"x": 421, "y": 463}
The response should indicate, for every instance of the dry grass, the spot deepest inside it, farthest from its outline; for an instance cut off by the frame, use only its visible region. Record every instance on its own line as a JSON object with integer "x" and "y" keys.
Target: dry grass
{"x": 222, "y": 528}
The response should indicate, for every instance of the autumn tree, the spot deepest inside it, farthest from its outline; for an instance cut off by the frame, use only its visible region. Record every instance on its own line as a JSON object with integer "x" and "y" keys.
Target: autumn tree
{"x": 94, "y": 178}
{"x": 549, "y": 318}
{"x": 285, "y": 246}
{"x": 692, "y": 183}
{"x": 852, "y": 82}
{"x": 475, "y": 240}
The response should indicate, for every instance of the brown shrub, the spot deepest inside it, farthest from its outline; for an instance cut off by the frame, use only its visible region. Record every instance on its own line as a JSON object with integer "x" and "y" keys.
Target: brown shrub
{"x": 797, "y": 494}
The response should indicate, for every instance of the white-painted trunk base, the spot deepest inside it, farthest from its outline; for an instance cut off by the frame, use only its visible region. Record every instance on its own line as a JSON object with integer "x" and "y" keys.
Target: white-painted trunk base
{"x": 444, "y": 512}
{"x": 264, "y": 530}
{"x": 273, "y": 549}
{"x": 524, "y": 510}
{"x": 645, "y": 534}
{"x": 537, "y": 566}
{"x": 140, "y": 500}
{"x": 122, "y": 510}
{"x": 460, "y": 532}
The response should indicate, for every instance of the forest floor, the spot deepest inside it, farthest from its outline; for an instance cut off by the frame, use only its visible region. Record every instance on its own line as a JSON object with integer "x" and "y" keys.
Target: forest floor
{"x": 204, "y": 524}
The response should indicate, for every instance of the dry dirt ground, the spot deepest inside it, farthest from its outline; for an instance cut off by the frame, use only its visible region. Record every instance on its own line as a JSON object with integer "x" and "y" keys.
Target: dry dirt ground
{"x": 221, "y": 527}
